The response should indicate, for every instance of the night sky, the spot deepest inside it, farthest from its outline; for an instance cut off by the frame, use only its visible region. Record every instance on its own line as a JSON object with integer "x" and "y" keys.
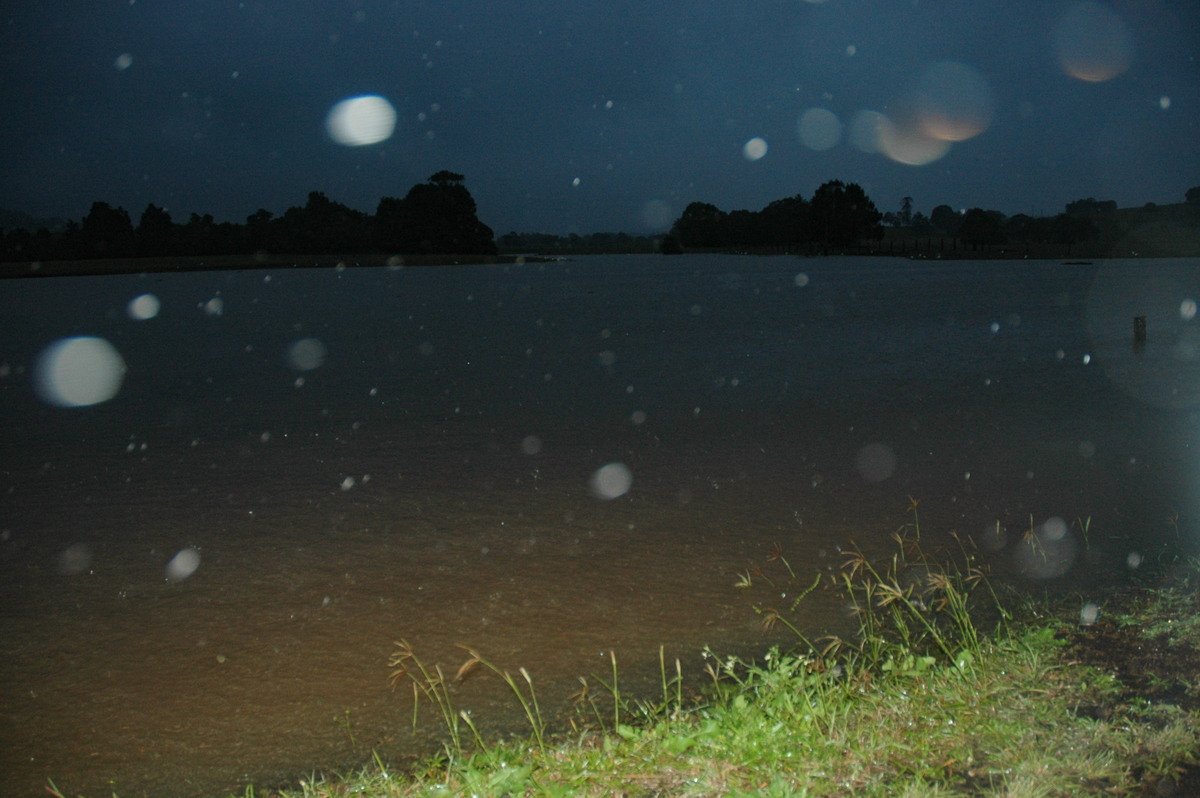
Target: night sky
{"x": 581, "y": 117}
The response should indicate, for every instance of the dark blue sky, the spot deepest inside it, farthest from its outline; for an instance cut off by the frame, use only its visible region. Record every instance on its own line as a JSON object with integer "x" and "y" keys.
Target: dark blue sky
{"x": 586, "y": 116}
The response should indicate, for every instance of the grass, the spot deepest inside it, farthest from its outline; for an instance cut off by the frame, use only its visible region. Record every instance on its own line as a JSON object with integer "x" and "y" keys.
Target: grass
{"x": 942, "y": 692}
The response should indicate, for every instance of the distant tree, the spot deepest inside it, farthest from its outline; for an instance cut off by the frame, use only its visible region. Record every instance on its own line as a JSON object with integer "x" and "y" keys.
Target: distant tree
{"x": 906, "y": 211}
{"x": 156, "y": 234}
{"x": 1070, "y": 229}
{"x": 841, "y": 214}
{"x": 785, "y": 222}
{"x": 446, "y": 178}
{"x": 106, "y": 232}
{"x": 669, "y": 245}
{"x": 945, "y": 219}
{"x": 1022, "y": 227}
{"x": 260, "y": 232}
{"x": 701, "y": 225}
{"x": 891, "y": 219}
{"x": 921, "y": 223}
{"x": 1193, "y": 195}
{"x": 322, "y": 226}
{"x": 982, "y": 227}
{"x": 436, "y": 216}
{"x": 1091, "y": 207}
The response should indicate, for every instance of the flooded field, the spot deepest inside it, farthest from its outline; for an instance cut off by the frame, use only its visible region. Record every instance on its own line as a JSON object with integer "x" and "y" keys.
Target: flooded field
{"x": 203, "y": 577}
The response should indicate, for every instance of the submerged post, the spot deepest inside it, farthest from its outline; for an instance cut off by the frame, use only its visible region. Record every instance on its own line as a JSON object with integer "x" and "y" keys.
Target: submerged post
{"x": 1139, "y": 330}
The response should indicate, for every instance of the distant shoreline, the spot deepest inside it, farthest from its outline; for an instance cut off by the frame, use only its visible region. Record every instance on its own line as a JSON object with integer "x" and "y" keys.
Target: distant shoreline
{"x": 201, "y": 263}
{"x": 924, "y": 249}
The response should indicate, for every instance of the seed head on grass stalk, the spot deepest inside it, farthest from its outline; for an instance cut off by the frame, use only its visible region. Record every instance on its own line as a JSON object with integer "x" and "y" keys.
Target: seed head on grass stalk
{"x": 432, "y": 684}
{"x": 533, "y": 712}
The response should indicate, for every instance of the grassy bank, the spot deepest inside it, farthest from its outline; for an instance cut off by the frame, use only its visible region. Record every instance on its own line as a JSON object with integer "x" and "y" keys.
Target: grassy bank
{"x": 950, "y": 687}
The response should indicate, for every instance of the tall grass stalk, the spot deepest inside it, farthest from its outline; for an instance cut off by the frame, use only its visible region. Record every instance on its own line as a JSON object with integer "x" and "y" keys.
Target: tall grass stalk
{"x": 529, "y": 704}
{"x": 433, "y": 685}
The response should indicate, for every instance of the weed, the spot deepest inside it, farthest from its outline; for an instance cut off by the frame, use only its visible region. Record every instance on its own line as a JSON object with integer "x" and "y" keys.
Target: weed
{"x": 433, "y": 685}
{"x": 915, "y": 602}
{"x": 529, "y": 704}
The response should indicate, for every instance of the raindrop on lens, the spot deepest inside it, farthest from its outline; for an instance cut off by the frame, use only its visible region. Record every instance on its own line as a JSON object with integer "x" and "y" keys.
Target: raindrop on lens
{"x": 143, "y": 307}
{"x": 1093, "y": 43}
{"x": 754, "y": 149}
{"x": 76, "y": 372}
{"x": 875, "y": 462}
{"x": 1054, "y": 529}
{"x": 360, "y": 121}
{"x": 182, "y": 565}
{"x": 75, "y": 559}
{"x": 611, "y": 481}
{"x": 819, "y": 129}
{"x": 306, "y": 354}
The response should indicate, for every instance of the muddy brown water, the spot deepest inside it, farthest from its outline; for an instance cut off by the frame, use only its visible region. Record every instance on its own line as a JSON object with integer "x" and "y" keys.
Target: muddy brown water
{"x": 433, "y": 481}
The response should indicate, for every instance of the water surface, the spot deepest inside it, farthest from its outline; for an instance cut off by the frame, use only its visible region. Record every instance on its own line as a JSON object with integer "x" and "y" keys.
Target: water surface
{"x": 433, "y": 479}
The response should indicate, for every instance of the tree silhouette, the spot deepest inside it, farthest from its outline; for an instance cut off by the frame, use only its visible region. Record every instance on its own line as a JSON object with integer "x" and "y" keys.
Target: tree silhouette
{"x": 785, "y": 222}
{"x": 945, "y": 219}
{"x": 701, "y": 225}
{"x": 156, "y": 234}
{"x": 438, "y": 216}
{"x": 982, "y": 227}
{"x": 842, "y": 214}
{"x": 106, "y": 232}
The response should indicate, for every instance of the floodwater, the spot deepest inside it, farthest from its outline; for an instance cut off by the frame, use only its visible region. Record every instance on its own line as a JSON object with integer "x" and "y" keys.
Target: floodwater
{"x": 202, "y": 578}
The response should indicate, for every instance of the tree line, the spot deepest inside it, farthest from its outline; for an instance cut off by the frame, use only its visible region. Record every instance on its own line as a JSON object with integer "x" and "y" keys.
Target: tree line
{"x": 437, "y": 216}
{"x": 839, "y": 215}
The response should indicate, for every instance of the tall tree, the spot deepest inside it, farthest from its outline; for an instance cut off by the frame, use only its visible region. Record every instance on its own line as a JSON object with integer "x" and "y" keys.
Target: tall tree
{"x": 438, "y": 216}
{"x": 701, "y": 225}
{"x": 982, "y": 227}
{"x": 106, "y": 232}
{"x": 842, "y": 214}
{"x": 156, "y": 234}
{"x": 945, "y": 219}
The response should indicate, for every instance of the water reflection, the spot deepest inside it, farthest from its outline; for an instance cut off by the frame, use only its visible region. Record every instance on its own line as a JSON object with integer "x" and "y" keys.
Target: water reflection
{"x": 202, "y": 577}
